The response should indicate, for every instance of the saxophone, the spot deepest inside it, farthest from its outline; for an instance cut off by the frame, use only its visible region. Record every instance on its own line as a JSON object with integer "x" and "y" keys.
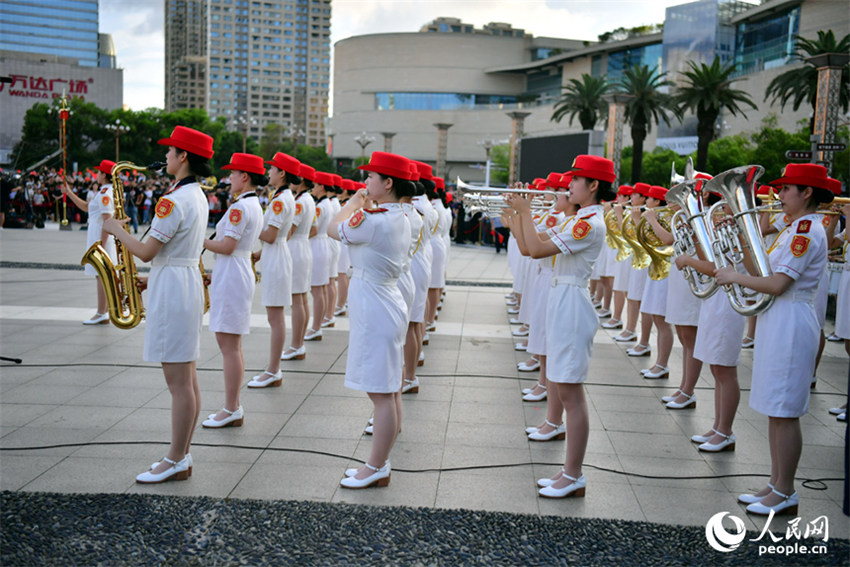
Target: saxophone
{"x": 119, "y": 280}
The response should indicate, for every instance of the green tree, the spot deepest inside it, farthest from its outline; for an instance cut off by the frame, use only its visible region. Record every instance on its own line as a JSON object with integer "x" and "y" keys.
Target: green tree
{"x": 583, "y": 98}
{"x": 707, "y": 91}
{"x": 646, "y": 105}
{"x": 800, "y": 84}
{"x": 500, "y": 157}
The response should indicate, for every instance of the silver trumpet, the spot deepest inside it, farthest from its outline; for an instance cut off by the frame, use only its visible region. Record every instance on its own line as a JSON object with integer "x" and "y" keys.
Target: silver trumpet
{"x": 738, "y": 232}
{"x": 491, "y": 200}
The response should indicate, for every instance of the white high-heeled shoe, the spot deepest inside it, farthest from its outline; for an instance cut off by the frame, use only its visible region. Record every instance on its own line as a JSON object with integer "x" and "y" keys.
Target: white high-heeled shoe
{"x": 575, "y": 489}
{"x": 529, "y": 390}
{"x": 410, "y": 386}
{"x": 177, "y": 471}
{"x": 689, "y": 403}
{"x": 728, "y": 444}
{"x": 663, "y": 373}
{"x": 328, "y": 322}
{"x": 535, "y": 397}
{"x": 233, "y": 419}
{"x": 379, "y": 477}
{"x": 299, "y": 353}
{"x": 787, "y": 506}
{"x": 665, "y": 399}
{"x": 266, "y": 380}
{"x": 559, "y": 433}
{"x": 521, "y": 347}
{"x": 188, "y": 458}
{"x": 702, "y": 438}
{"x": 639, "y": 350}
{"x": 752, "y": 498}
{"x": 544, "y": 482}
{"x": 525, "y": 367}
{"x": 313, "y": 334}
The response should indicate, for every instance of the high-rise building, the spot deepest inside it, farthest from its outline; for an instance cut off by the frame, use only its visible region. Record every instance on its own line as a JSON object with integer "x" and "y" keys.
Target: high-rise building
{"x": 256, "y": 63}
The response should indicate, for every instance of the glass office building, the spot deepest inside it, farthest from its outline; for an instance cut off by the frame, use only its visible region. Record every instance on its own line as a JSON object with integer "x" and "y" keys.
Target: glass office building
{"x": 64, "y": 28}
{"x": 767, "y": 43}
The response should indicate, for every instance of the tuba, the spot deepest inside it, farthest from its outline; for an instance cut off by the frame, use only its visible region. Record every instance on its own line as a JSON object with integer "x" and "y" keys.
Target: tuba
{"x": 658, "y": 252}
{"x": 730, "y": 239}
{"x": 690, "y": 229}
{"x": 119, "y": 280}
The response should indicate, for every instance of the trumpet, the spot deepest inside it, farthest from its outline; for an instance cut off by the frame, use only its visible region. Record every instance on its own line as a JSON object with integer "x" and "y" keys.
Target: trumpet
{"x": 491, "y": 200}
{"x": 772, "y": 204}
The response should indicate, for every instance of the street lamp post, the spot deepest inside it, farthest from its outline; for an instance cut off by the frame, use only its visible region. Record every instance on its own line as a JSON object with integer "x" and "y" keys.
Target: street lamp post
{"x": 117, "y": 129}
{"x": 295, "y": 133}
{"x": 488, "y": 145}
{"x": 243, "y": 123}
{"x": 363, "y": 140}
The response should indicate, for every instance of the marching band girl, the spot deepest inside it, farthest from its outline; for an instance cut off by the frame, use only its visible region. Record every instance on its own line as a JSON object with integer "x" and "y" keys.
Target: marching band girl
{"x": 101, "y": 208}
{"x": 571, "y": 320}
{"x": 322, "y": 257}
{"x": 175, "y": 291}
{"x": 277, "y": 261}
{"x": 787, "y": 332}
{"x": 233, "y": 281}
{"x": 343, "y": 264}
{"x": 637, "y": 281}
{"x": 421, "y": 267}
{"x": 302, "y": 261}
{"x": 620, "y": 284}
{"x": 334, "y": 246}
{"x": 378, "y": 241}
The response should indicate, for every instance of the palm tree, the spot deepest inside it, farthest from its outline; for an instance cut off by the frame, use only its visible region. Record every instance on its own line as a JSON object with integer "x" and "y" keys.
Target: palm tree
{"x": 801, "y": 83}
{"x": 583, "y": 98}
{"x": 645, "y": 105}
{"x": 706, "y": 91}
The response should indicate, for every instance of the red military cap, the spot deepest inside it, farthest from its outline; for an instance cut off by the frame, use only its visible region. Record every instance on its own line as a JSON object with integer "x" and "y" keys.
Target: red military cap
{"x": 764, "y": 190}
{"x": 392, "y": 165}
{"x": 323, "y": 178}
{"x": 248, "y": 163}
{"x": 594, "y": 167}
{"x": 438, "y": 181}
{"x": 307, "y": 172}
{"x": 538, "y": 183}
{"x": 190, "y": 140}
{"x": 625, "y": 190}
{"x": 553, "y": 180}
{"x": 807, "y": 175}
{"x": 414, "y": 171}
{"x": 348, "y": 185}
{"x": 424, "y": 170}
{"x": 106, "y": 166}
{"x": 566, "y": 177}
{"x": 658, "y": 192}
{"x": 337, "y": 180}
{"x": 285, "y": 162}
{"x": 641, "y": 189}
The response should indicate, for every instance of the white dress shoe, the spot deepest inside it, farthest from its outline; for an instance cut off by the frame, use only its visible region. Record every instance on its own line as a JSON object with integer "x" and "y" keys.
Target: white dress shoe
{"x": 690, "y": 402}
{"x": 665, "y": 399}
{"x": 368, "y": 430}
{"x": 559, "y": 433}
{"x": 299, "y": 353}
{"x": 520, "y": 332}
{"x": 97, "y": 319}
{"x": 663, "y": 373}
{"x": 410, "y": 386}
{"x": 644, "y": 350}
{"x": 603, "y": 313}
{"x": 430, "y": 327}
{"x": 612, "y": 324}
{"x": 510, "y": 301}
{"x": 339, "y": 311}
{"x": 787, "y": 506}
{"x": 514, "y": 321}
{"x": 702, "y": 438}
{"x": 529, "y": 390}
{"x": 520, "y": 347}
{"x": 513, "y": 310}
{"x": 266, "y": 380}
{"x": 525, "y": 367}
{"x": 544, "y": 482}
{"x": 421, "y": 361}
{"x": 177, "y": 471}
{"x": 535, "y": 397}
{"x": 625, "y": 337}
{"x": 842, "y": 417}
{"x": 328, "y": 322}
{"x": 752, "y": 498}
{"x": 426, "y": 338}
{"x": 530, "y": 430}
{"x": 836, "y": 411}
{"x": 728, "y": 444}
{"x": 233, "y": 419}
{"x": 188, "y": 458}
{"x": 379, "y": 477}
{"x": 574, "y": 489}
{"x": 313, "y": 335}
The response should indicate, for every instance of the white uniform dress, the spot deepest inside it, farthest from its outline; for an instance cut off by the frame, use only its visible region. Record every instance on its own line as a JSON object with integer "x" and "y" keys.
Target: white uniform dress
{"x": 540, "y": 286}
{"x": 233, "y": 283}
{"x": 683, "y": 307}
{"x": 719, "y": 331}
{"x": 406, "y": 285}
{"x": 447, "y": 232}
{"x": 654, "y": 300}
{"x": 378, "y": 243}
{"x": 333, "y": 245}
{"x": 420, "y": 268}
{"x": 438, "y": 247}
{"x": 174, "y": 301}
{"x": 319, "y": 245}
{"x": 299, "y": 246}
{"x": 276, "y": 259}
{"x": 571, "y": 321}
{"x": 102, "y": 203}
{"x": 842, "y": 300}
{"x": 787, "y": 333}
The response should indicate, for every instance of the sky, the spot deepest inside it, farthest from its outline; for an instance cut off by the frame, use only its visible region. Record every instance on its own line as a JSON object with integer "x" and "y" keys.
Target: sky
{"x": 137, "y": 27}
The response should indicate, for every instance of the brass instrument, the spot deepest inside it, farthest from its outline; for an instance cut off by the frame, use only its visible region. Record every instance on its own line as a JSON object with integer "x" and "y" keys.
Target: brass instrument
{"x": 640, "y": 259}
{"x": 119, "y": 280}
{"x": 690, "y": 229}
{"x": 658, "y": 252}
{"x": 772, "y": 204}
{"x": 614, "y": 237}
{"x": 491, "y": 200}
{"x": 730, "y": 240}
{"x": 204, "y": 283}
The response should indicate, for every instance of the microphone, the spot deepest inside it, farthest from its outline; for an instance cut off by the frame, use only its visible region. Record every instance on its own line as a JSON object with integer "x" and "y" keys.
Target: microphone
{"x": 155, "y": 166}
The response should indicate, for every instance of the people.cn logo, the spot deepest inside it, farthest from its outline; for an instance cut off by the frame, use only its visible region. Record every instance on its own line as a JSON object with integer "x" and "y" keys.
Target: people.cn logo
{"x": 719, "y": 538}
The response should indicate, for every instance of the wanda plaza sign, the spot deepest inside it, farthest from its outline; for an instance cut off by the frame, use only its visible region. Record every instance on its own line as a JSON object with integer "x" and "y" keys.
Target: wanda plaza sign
{"x": 30, "y": 86}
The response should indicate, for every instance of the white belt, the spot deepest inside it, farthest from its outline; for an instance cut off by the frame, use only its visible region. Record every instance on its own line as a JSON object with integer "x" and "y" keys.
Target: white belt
{"x": 569, "y": 280}
{"x": 239, "y": 254}
{"x": 298, "y": 236}
{"x": 372, "y": 278}
{"x": 157, "y": 261}
{"x": 798, "y": 296}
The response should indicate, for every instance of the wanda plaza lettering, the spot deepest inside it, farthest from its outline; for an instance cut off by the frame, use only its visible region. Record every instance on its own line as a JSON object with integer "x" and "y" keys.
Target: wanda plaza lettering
{"x": 39, "y": 87}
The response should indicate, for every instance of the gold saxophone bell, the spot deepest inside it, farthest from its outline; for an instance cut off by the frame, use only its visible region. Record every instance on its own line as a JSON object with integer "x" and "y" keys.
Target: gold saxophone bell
{"x": 658, "y": 252}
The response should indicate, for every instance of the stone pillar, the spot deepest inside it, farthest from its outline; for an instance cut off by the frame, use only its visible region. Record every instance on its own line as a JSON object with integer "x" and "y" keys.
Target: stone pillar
{"x": 442, "y": 148}
{"x": 826, "y": 107}
{"x": 616, "y": 119}
{"x": 388, "y": 141}
{"x": 517, "y": 119}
